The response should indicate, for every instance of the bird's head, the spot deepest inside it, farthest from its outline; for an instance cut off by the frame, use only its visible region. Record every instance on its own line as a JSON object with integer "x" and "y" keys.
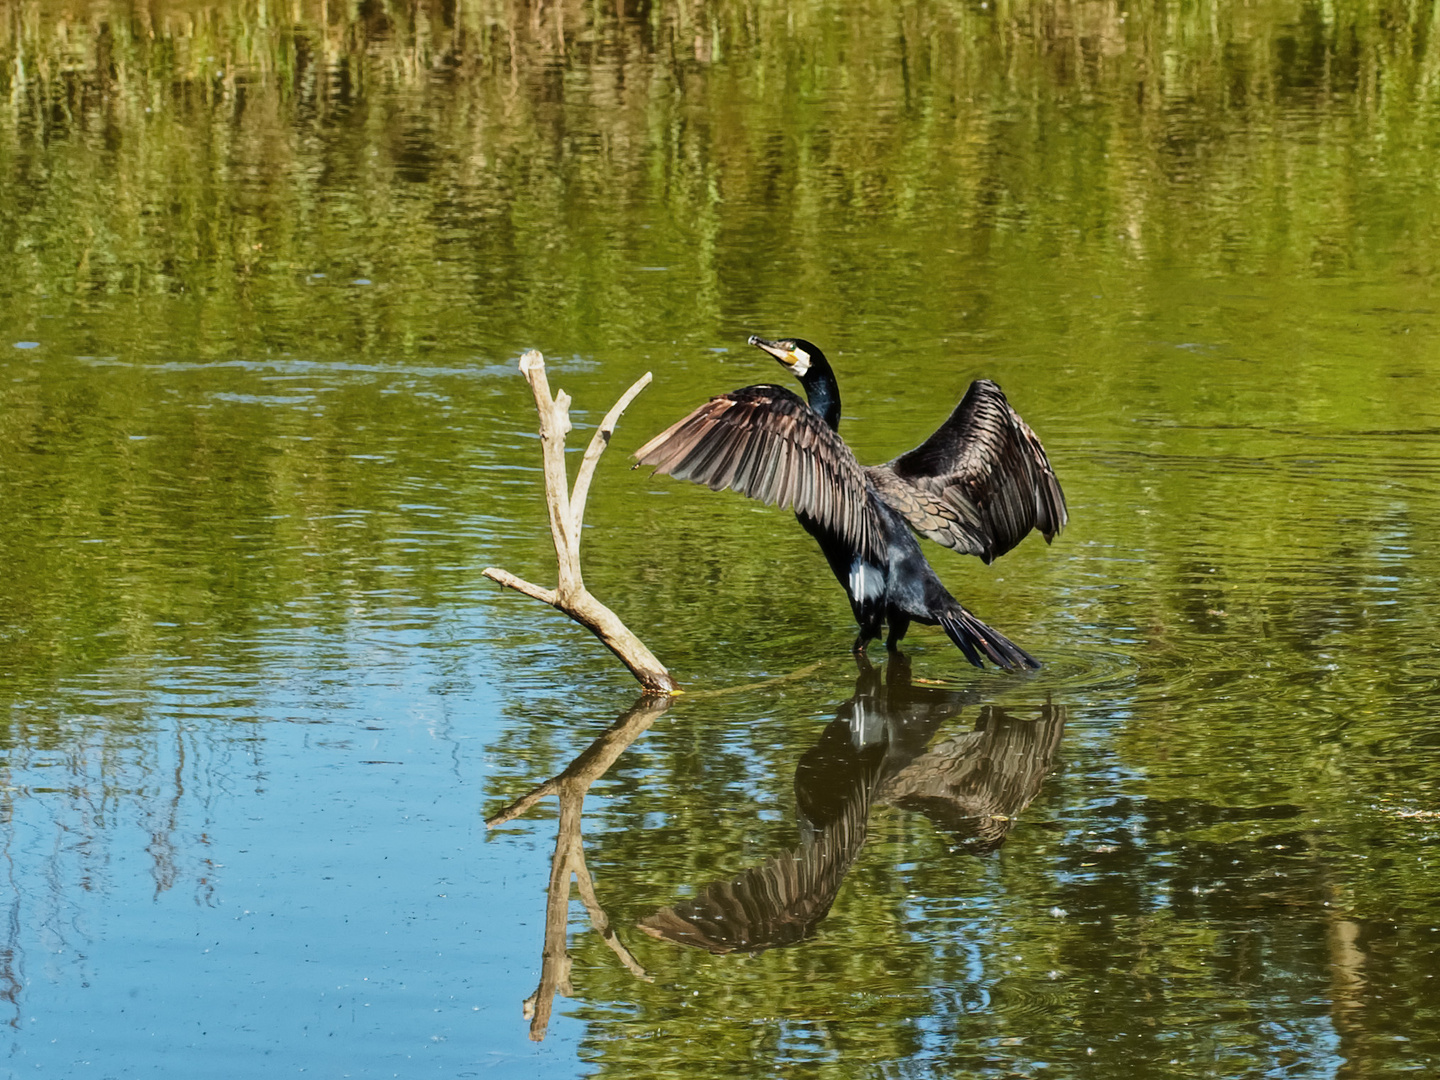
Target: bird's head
{"x": 797, "y": 354}
{"x": 808, "y": 364}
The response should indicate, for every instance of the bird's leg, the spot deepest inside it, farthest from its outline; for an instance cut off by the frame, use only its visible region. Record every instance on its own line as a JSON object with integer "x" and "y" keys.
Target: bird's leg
{"x": 870, "y": 622}
{"x": 898, "y": 625}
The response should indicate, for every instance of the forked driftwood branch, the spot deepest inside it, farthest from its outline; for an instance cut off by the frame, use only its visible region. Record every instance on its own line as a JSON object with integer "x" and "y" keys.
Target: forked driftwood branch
{"x": 567, "y": 515}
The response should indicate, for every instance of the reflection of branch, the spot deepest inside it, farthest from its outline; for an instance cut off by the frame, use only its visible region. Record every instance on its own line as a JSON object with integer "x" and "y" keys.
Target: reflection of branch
{"x": 571, "y": 786}
{"x": 567, "y": 514}
{"x": 522, "y": 805}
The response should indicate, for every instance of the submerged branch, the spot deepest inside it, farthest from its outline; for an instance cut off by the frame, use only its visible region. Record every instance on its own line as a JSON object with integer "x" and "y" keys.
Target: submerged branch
{"x": 567, "y": 514}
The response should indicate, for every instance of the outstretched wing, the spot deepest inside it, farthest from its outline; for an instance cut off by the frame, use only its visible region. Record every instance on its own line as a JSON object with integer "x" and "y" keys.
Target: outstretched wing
{"x": 765, "y": 442}
{"x": 980, "y": 483}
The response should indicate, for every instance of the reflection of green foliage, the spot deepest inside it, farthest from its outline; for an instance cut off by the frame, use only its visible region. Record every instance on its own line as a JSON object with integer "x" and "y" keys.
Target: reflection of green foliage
{"x": 229, "y": 151}
{"x": 1196, "y": 242}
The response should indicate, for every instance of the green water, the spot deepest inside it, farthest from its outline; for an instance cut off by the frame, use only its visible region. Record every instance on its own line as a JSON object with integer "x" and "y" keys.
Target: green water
{"x": 265, "y": 273}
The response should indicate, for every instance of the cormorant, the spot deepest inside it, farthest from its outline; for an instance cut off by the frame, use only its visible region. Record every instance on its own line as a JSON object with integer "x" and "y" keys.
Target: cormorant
{"x": 978, "y": 485}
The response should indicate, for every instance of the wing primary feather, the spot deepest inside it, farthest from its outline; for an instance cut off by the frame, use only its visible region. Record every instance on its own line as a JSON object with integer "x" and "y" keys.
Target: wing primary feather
{"x": 696, "y": 465}
{"x": 723, "y": 471}
{"x": 766, "y": 443}
{"x": 768, "y": 466}
{"x": 809, "y": 485}
{"x": 745, "y": 464}
{"x": 675, "y": 452}
{"x": 980, "y": 483}
{"x": 784, "y": 495}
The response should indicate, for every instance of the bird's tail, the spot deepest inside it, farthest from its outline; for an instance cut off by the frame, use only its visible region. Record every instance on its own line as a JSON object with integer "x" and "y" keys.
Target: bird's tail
{"x": 976, "y": 640}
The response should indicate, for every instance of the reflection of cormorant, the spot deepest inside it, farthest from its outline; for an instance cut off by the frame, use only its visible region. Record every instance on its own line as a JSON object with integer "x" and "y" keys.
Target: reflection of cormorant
{"x": 979, "y": 485}
{"x": 973, "y": 785}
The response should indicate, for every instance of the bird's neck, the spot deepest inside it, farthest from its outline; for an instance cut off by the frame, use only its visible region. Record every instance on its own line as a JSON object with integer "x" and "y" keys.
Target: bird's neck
{"x": 823, "y": 393}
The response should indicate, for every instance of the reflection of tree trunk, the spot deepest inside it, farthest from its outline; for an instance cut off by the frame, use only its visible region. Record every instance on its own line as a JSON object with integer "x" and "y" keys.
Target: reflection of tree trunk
{"x": 162, "y": 839}
{"x": 571, "y": 786}
{"x": 567, "y": 515}
{"x": 1347, "y": 964}
{"x": 10, "y": 981}
{"x": 1347, "y": 988}
{"x": 1347, "y": 956}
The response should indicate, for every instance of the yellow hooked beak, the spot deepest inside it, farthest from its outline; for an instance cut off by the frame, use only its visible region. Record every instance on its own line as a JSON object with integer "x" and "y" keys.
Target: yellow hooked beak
{"x": 786, "y": 352}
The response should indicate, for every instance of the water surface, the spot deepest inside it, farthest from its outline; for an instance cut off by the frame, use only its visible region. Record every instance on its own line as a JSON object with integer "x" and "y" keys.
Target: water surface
{"x": 265, "y": 274}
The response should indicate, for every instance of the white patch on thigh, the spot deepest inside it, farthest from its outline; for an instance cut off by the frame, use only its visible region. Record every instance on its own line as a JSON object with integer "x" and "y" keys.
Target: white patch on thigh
{"x": 866, "y": 582}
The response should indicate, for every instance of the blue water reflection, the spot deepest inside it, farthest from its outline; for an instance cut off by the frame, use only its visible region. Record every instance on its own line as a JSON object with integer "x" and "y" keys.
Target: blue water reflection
{"x": 299, "y": 871}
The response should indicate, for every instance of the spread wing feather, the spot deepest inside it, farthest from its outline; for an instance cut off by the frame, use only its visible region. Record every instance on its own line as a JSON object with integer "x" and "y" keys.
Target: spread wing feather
{"x": 764, "y": 442}
{"x": 980, "y": 483}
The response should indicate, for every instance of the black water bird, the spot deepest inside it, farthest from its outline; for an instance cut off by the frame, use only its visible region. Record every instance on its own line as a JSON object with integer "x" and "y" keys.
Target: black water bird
{"x": 978, "y": 485}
